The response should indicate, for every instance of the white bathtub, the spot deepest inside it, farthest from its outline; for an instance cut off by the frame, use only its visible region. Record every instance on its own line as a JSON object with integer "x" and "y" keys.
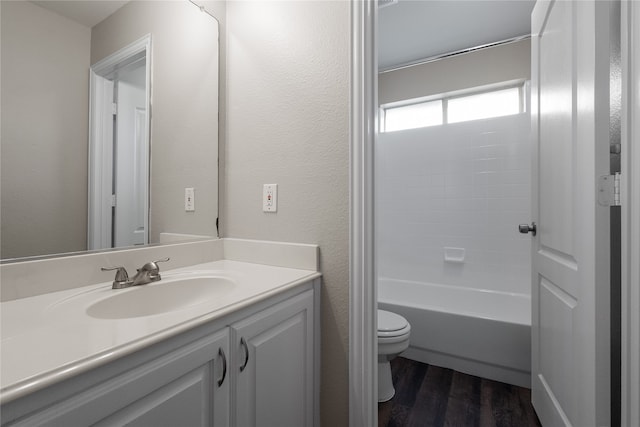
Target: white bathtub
{"x": 482, "y": 333}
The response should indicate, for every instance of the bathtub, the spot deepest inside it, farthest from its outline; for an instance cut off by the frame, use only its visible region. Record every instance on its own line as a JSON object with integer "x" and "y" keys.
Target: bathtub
{"x": 478, "y": 332}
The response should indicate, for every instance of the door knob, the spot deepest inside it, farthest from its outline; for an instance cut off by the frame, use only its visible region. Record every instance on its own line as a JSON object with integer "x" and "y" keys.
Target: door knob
{"x": 526, "y": 228}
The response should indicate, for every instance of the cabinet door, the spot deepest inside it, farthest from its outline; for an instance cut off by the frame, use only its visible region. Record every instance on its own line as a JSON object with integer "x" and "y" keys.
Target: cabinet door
{"x": 181, "y": 388}
{"x": 274, "y": 365}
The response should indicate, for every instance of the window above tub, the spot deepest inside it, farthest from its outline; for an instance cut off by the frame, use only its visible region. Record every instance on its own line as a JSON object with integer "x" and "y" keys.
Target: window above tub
{"x": 423, "y": 114}
{"x": 504, "y": 99}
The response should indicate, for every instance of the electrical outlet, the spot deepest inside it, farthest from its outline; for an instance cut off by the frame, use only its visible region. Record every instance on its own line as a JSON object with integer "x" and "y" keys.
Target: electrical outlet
{"x": 189, "y": 200}
{"x": 270, "y": 198}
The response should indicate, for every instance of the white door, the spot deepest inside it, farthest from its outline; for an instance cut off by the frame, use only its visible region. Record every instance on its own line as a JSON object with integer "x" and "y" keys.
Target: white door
{"x": 119, "y": 148}
{"x": 570, "y": 289}
{"x": 131, "y": 157}
{"x": 100, "y": 164}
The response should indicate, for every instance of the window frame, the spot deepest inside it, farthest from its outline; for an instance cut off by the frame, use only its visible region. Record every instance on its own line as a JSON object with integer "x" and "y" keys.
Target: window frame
{"x": 520, "y": 84}
{"x": 442, "y": 113}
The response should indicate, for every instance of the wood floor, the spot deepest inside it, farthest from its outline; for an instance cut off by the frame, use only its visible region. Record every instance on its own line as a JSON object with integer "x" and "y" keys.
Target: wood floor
{"x": 430, "y": 396}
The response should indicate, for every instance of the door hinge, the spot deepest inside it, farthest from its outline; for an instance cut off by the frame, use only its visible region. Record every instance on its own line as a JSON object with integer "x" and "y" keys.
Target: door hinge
{"x": 113, "y": 200}
{"x": 114, "y": 109}
{"x": 609, "y": 190}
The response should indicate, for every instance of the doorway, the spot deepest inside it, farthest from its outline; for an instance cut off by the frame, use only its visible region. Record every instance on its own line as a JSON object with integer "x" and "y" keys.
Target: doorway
{"x": 119, "y": 148}
{"x": 363, "y": 293}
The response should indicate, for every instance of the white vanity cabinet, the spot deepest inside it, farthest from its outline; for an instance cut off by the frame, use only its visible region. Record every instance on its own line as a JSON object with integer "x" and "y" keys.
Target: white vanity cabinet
{"x": 275, "y": 366}
{"x": 194, "y": 391}
{"x": 257, "y": 366}
{"x": 178, "y": 387}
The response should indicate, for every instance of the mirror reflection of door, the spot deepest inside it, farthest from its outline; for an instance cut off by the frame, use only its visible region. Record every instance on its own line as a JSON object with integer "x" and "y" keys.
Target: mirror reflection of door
{"x": 119, "y": 149}
{"x": 129, "y": 157}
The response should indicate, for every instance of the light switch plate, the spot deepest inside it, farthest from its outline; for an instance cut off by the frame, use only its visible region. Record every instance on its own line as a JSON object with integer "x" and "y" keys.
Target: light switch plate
{"x": 270, "y": 198}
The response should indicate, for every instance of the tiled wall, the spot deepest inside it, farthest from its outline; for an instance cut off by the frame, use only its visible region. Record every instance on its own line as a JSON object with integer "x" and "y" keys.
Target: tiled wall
{"x": 464, "y": 185}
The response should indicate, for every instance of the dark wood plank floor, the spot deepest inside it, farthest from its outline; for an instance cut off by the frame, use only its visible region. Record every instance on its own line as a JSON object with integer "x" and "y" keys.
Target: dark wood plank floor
{"x": 430, "y": 396}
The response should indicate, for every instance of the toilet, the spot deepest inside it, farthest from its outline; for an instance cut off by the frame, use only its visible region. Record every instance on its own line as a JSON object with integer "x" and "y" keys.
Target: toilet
{"x": 393, "y": 339}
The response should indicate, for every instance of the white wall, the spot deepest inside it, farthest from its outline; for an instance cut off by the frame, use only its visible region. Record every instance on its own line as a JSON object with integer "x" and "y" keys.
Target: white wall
{"x": 465, "y": 185}
{"x": 288, "y": 123}
{"x": 45, "y": 90}
{"x": 184, "y": 91}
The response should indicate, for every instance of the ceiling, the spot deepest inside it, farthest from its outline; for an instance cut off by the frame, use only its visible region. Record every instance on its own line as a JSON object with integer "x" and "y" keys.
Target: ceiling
{"x": 411, "y": 30}
{"x": 408, "y": 31}
{"x": 87, "y": 13}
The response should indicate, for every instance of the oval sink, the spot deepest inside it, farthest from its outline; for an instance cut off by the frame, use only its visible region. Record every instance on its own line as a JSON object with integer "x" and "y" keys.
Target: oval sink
{"x": 160, "y": 297}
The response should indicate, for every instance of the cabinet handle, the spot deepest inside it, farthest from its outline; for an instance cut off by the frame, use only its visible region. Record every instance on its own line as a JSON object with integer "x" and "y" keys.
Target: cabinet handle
{"x": 224, "y": 366}
{"x": 243, "y": 343}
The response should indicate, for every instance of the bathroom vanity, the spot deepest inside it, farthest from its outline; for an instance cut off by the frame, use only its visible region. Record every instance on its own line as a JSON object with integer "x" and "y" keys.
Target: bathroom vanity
{"x": 225, "y": 342}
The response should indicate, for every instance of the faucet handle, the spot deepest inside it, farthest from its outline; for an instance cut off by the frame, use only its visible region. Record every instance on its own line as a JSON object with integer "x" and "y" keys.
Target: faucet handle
{"x": 122, "y": 277}
{"x": 153, "y": 265}
{"x": 153, "y": 269}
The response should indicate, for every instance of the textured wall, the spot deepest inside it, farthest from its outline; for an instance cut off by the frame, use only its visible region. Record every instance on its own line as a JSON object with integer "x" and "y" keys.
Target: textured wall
{"x": 492, "y": 65}
{"x": 288, "y": 123}
{"x": 184, "y": 96}
{"x": 45, "y": 116}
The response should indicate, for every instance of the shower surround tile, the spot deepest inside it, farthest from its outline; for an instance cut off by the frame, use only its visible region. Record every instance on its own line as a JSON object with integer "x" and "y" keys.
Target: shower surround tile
{"x": 464, "y": 185}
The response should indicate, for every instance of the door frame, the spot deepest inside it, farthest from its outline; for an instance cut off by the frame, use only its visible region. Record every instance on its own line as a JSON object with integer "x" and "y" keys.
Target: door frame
{"x": 100, "y": 169}
{"x": 363, "y": 340}
{"x": 630, "y": 197}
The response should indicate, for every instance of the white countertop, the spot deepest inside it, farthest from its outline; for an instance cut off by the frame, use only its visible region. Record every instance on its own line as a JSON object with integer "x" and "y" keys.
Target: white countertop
{"x": 50, "y": 337}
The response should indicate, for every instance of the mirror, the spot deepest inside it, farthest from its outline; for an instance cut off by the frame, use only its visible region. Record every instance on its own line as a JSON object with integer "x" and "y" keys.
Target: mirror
{"x": 47, "y": 53}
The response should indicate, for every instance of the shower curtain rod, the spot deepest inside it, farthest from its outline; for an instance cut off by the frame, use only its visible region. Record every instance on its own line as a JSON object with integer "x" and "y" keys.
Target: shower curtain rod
{"x": 450, "y": 54}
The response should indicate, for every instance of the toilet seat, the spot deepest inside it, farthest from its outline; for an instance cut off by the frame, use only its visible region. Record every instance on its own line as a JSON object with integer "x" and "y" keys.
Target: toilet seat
{"x": 393, "y": 339}
{"x": 391, "y": 325}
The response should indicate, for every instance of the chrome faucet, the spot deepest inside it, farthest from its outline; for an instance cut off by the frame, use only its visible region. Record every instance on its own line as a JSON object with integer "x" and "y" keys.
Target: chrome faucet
{"x": 150, "y": 272}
